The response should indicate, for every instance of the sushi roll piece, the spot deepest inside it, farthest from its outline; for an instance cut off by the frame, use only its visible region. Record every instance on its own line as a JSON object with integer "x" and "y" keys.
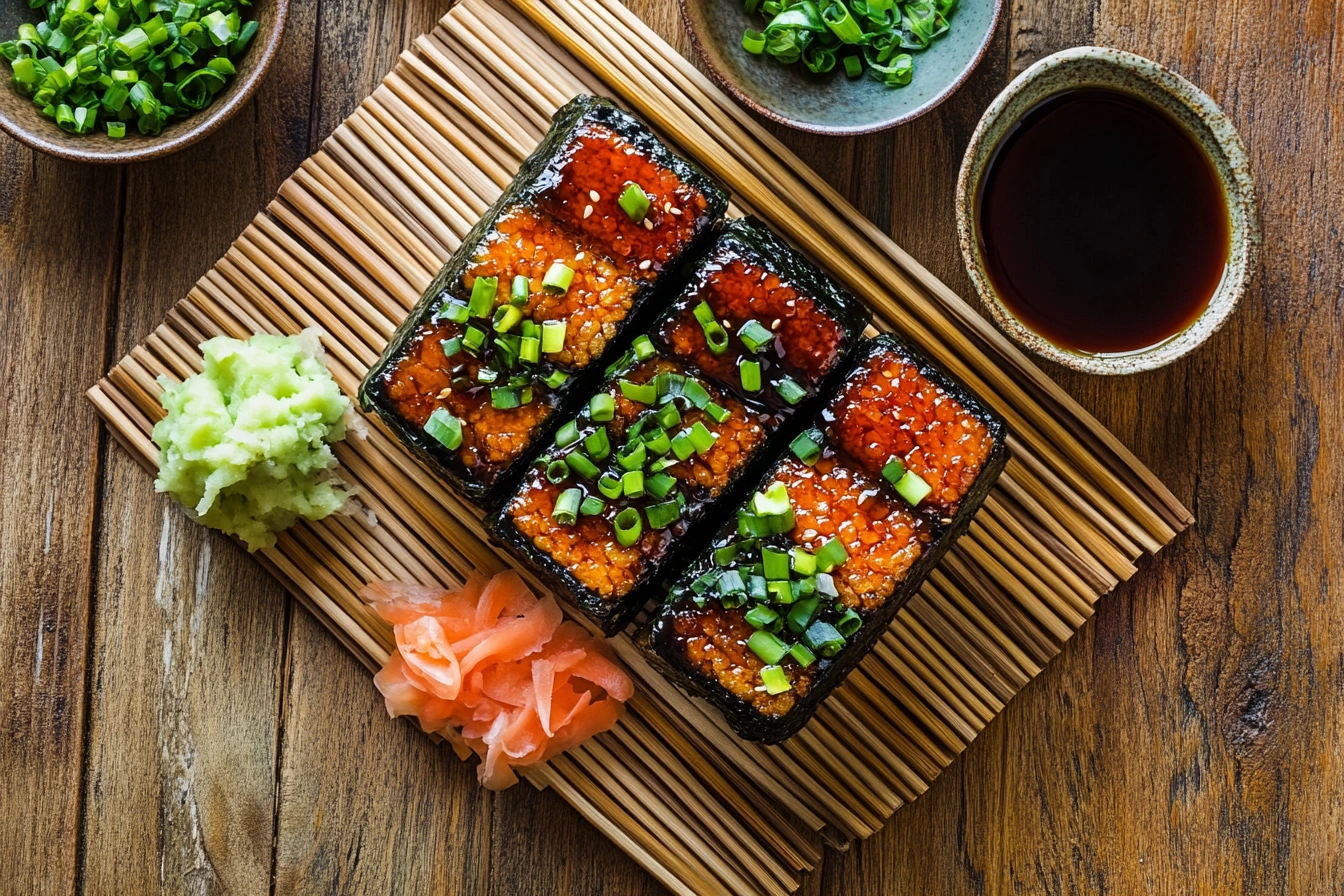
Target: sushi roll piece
{"x": 793, "y": 592}
{"x": 537, "y": 296}
{"x": 615, "y": 498}
{"x": 762, "y": 320}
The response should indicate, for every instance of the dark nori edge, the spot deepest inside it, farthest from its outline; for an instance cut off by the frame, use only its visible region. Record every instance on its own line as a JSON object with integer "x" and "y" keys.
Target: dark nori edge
{"x": 614, "y": 614}
{"x": 745, "y": 720}
{"x": 523, "y": 190}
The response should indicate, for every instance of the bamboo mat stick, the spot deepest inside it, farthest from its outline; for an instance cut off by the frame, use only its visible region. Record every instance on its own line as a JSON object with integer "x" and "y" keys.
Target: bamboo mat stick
{"x": 948, "y": 668}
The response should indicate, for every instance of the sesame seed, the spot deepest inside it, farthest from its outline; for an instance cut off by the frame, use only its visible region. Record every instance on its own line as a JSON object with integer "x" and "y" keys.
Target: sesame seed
{"x": 667, "y": 208}
{"x": 648, "y": 225}
{"x": 578, "y": 256}
{"x": 645, "y": 264}
{"x": 587, "y": 211}
{"x": 594, "y": 195}
{"x": 775, "y": 325}
{"x": 674, "y": 210}
{"x": 445, "y": 392}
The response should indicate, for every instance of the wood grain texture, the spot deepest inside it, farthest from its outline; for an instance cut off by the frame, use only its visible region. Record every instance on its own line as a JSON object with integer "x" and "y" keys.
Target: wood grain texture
{"x": 1189, "y": 740}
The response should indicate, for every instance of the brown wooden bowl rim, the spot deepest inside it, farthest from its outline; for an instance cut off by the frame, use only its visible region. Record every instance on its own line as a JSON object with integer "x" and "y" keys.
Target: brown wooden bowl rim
{"x": 191, "y": 130}
{"x": 728, "y": 84}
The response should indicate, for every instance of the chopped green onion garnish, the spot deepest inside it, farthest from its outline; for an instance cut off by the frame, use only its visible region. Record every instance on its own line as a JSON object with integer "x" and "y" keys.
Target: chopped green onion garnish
{"x": 116, "y": 129}
{"x": 893, "y": 470}
{"x": 754, "y": 336}
{"x": 632, "y": 484}
{"x": 643, "y": 347}
{"x": 781, "y": 590}
{"x": 695, "y": 393}
{"x": 682, "y": 446}
{"x": 663, "y": 463}
{"x": 776, "y": 563}
{"x": 849, "y": 623}
{"x": 557, "y": 471}
{"x": 668, "y": 416}
{"x": 505, "y": 398}
{"x": 644, "y": 393}
{"x": 726, "y": 554}
{"x": 702, "y": 438}
{"x": 487, "y": 375}
{"x": 632, "y": 456}
{"x": 766, "y": 646}
{"x": 634, "y": 202}
{"x": 483, "y": 296}
{"x": 913, "y": 488}
{"x": 592, "y": 506}
{"x": 552, "y": 336}
{"x": 628, "y": 526}
{"x": 823, "y": 639}
{"x": 558, "y": 279}
{"x": 660, "y": 485}
{"x": 831, "y": 555}
{"x": 529, "y": 349}
{"x": 753, "y": 42}
{"x": 455, "y": 312}
{"x": 804, "y": 563}
{"x": 750, "y": 372}
{"x": 775, "y": 680}
{"x": 790, "y": 391}
{"x": 826, "y": 585}
{"x": 761, "y": 616}
{"x": 609, "y": 484}
{"x": 662, "y": 515}
{"x": 749, "y": 525}
{"x": 601, "y": 407}
{"x": 717, "y": 413}
{"x": 758, "y": 588}
{"x": 555, "y": 379}
{"x": 451, "y": 346}
{"x": 774, "y": 501}
{"x": 807, "y": 446}
{"x": 802, "y": 655}
{"x": 597, "y": 443}
{"x": 444, "y": 428}
{"x": 567, "y": 435}
{"x": 507, "y": 317}
{"x": 579, "y": 463}
{"x": 801, "y": 614}
{"x": 730, "y": 582}
{"x": 473, "y": 339}
{"x": 658, "y": 442}
{"x": 567, "y": 507}
{"x": 715, "y": 335}
{"x": 520, "y": 291}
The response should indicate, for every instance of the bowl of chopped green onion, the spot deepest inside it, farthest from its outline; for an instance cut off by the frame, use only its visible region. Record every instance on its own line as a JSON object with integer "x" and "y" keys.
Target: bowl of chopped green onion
{"x": 128, "y": 80}
{"x": 841, "y": 66}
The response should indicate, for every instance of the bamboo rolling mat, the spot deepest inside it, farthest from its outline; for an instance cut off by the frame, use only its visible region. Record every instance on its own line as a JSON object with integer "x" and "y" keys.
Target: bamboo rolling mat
{"x": 358, "y": 232}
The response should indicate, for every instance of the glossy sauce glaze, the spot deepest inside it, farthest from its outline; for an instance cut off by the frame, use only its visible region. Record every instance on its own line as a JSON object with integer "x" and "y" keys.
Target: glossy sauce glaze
{"x": 1101, "y": 222}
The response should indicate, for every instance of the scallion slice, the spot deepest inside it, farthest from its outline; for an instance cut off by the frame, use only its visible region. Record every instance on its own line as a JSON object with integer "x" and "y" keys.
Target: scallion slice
{"x": 634, "y": 202}
{"x": 597, "y": 443}
{"x": 702, "y": 438}
{"x": 803, "y": 562}
{"x": 715, "y": 335}
{"x": 552, "y": 336}
{"x": 520, "y": 291}
{"x": 767, "y": 646}
{"x": 632, "y": 484}
{"x": 831, "y": 555}
{"x": 807, "y": 446}
{"x": 455, "y": 312}
{"x": 660, "y": 485}
{"x": 644, "y": 393}
{"x": 668, "y": 416}
{"x": 658, "y": 442}
{"x": 717, "y": 412}
{"x": 750, "y": 371}
{"x": 506, "y": 318}
{"x": 802, "y": 655}
{"x": 849, "y": 623}
{"x": 643, "y": 347}
{"x": 601, "y": 407}
{"x": 567, "y": 435}
{"x": 566, "y": 511}
{"x": 632, "y": 456}
{"x": 790, "y": 391}
{"x": 753, "y": 42}
{"x": 628, "y": 526}
{"x": 505, "y": 398}
{"x": 444, "y": 428}
{"x": 580, "y": 464}
{"x": 776, "y": 563}
{"x": 913, "y": 488}
{"x": 663, "y": 515}
{"x": 823, "y": 639}
{"x": 696, "y": 394}
{"x": 826, "y": 585}
{"x": 761, "y": 616}
{"x": 754, "y": 336}
{"x": 682, "y": 446}
{"x": 776, "y": 681}
{"x": 557, "y": 471}
{"x": 555, "y": 379}
{"x": 801, "y": 614}
{"x": 726, "y": 554}
{"x": 451, "y": 346}
{"x": 592, "y": 506}
{"x": 609, "y": 484}
{"x": 473, "y": 339}
{"x": 529, "y": 350}
{"x": 483, "y": 291}
{"x": 558, "y": 279}
{"x": 893, "y": 470}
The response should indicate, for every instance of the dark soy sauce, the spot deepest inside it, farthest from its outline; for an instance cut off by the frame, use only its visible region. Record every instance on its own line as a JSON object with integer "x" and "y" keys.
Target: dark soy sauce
{"x": 1102, "y": 225}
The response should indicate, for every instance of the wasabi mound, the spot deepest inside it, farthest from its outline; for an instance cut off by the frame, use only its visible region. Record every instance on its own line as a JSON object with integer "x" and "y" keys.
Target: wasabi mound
{"x": 246, "y": 443}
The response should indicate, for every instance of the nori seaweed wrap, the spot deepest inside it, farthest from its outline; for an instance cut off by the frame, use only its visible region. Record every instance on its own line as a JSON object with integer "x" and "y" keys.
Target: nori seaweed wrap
{"x": 542, "y": 290}
{"x": 794, "y": 592}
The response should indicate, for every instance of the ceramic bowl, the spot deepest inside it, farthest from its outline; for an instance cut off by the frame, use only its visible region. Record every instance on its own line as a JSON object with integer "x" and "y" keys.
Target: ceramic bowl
{"x": 832, "y": 103}
{"x": 1201, "y": 119}
{"x": 25, "y": 122}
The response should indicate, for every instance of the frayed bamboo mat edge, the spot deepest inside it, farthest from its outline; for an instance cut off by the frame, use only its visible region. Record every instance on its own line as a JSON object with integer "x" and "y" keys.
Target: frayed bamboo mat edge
{"x": 357, "y": 232}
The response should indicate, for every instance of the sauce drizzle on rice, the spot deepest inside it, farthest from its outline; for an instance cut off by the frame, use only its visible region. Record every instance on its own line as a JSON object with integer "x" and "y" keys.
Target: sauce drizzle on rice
{"x": 504, "y": 667}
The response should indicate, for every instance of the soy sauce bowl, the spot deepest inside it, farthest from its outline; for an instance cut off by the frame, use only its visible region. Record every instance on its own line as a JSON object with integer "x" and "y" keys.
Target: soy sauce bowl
{"x": 1195, "y": 113}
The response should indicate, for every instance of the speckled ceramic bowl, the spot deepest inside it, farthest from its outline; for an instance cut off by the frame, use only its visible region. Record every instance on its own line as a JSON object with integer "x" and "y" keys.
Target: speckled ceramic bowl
{"x": 832, "y": 103}
{"x": 1202, "y": 119}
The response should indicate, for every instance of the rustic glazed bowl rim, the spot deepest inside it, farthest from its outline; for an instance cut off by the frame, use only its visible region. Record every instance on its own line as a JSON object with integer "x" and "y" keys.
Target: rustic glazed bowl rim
{"x": 178, "y": 135}
{"x": 1216, "y": 135}
{"x": 752, "y": 103}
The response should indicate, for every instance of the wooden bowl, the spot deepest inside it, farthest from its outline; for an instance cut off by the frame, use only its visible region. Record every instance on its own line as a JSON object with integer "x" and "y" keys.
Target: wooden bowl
{"x": 832, "y": 103}
{"x": 25, "y": 122}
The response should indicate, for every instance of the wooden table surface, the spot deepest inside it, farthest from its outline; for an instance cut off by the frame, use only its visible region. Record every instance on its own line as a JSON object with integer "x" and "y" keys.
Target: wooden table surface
{"x": 171, "y": 721}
